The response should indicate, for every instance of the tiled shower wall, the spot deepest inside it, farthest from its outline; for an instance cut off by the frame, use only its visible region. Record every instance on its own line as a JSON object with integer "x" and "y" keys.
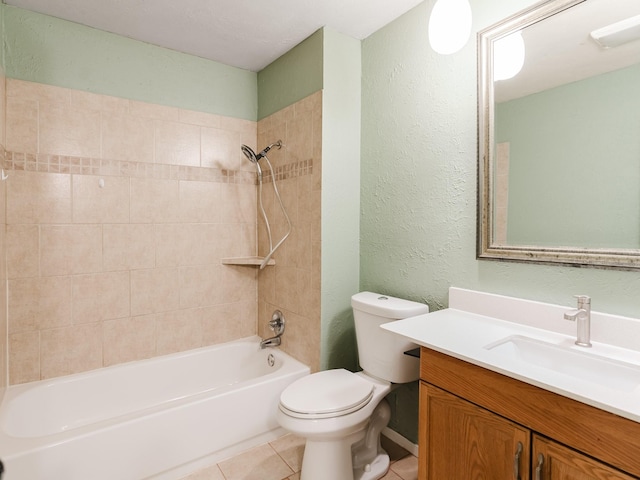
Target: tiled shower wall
{"x": 118, "y": 215}
{"x": 3, "y": 270}
{"x": 293, "y": 284}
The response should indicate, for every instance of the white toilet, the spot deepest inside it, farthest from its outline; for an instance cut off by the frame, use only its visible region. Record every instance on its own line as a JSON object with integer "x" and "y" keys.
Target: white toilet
{"x": 341, "y": 414}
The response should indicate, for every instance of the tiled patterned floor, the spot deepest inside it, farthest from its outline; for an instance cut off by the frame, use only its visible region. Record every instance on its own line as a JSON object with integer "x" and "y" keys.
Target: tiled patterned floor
{"x": 281, "y": 460}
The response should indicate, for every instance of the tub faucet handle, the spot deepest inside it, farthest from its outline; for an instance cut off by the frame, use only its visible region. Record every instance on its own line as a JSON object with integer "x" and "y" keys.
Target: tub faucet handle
{"x": 276, "y": 324}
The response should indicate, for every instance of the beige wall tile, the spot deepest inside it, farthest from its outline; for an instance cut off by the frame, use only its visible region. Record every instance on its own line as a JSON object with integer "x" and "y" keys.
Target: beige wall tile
{"x": 200, "y": 202}
{"x": 68, "y": 350}
{"x": 300, "y": 139}
{"x": 100, "y": 296}
{"x": 128, "y": 247}
{"x": 154, "y": 290}
{"x": 240, "y": 203}
{"x": 84, "y": 100}
{"x": 238, "y": 284}
{"x": 177, "y": 143}
{"x": 133, "y": 269}
{"x": 178, "y": 331}
{"x": 99, "y": 199}
{"x": 236, "y": 240}
{"x": 24, "y": 357}
{"x": 221, "y": 149}
{"x": 199, "y": 244}
{"x": 37, "y": 303}
{"x": 114, "y": 106}
{"x": 127, "y": 138}
{"x": 202, "y": 285}
{"x": 39, "y": 92}
{"x": 38, "y": 198}
{"x": 23, "y": 251}
{"x": 168, "y": 244}
{"x": 200, "y": 118}
{"x": 67, "y": 249}
{"x": 227, "y": 322}
{"x": 302, "y": 339}
{"x": 22, "y": 125}
{"x": 69, "y": 131}
{"x": 153, "y": 111}
{"x": 129, "y": 339}
{"x": 287, "y": 288}
{"x": 154, "y": 201}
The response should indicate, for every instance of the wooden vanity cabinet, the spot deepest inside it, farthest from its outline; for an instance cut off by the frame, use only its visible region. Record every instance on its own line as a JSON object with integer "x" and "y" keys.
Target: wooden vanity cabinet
{"x": 476, "y": 424}
{"x": 551, "y": 460}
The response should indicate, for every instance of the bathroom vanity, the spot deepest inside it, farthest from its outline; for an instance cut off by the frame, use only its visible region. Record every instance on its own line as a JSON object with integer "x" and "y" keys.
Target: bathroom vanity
{"x": 506, "y": 394}
{"x": 475, "y": 423}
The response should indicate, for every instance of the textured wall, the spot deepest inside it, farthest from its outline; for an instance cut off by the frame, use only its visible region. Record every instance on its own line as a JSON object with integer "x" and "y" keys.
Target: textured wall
{"x": 419, "y": 167}
{"x": 44, "y": 49}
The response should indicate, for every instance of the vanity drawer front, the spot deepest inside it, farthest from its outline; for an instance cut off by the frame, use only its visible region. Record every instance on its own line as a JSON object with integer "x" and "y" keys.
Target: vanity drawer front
{"x": 603, "y": 435}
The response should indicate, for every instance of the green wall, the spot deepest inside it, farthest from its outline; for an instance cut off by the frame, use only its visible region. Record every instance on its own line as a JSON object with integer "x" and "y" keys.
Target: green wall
{"x": 340, "y": 197}
{"x": 44, "y": 49}
{"x": 558, "y": 158}
{"x": 292, "y": 77}
{"x": 418, "y": 175}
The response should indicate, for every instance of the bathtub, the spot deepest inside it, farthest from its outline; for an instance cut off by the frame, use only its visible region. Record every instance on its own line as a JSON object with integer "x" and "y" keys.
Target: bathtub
{"x": 161, "y": 418}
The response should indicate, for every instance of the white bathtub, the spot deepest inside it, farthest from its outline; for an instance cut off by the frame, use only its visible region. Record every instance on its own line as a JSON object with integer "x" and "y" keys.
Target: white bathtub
{"x": 160, "y": 418}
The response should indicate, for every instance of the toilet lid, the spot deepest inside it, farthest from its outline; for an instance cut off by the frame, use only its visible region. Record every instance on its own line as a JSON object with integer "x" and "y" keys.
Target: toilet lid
{"x": 326, "y": 394}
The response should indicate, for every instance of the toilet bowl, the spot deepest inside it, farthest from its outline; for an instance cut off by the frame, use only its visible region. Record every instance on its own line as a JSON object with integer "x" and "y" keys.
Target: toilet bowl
{"x": 341, "y": 414}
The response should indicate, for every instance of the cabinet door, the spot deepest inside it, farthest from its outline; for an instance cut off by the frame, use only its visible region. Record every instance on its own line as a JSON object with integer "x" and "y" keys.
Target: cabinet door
{"x": 461, "y": 441}
{"x": 552, "y": 461}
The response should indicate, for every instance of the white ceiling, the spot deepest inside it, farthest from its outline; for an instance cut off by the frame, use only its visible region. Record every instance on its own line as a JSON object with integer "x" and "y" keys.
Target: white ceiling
{"x": 248, "y": 34}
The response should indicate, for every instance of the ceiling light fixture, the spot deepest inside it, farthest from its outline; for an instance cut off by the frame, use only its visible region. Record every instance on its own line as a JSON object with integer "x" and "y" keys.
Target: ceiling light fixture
{"x": 508, "y": 56}
{"x": 449, "y": 25}
{"x": 618, "y": 33}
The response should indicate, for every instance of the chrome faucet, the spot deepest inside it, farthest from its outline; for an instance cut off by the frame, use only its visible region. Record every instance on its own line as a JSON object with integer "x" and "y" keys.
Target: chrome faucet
{"x": 276, "y": 324}
{"x": 582, "y": 315}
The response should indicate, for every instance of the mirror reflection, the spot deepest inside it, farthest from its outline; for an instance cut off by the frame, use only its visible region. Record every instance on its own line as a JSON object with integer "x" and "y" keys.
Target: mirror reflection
{"x": 560, "y": 134}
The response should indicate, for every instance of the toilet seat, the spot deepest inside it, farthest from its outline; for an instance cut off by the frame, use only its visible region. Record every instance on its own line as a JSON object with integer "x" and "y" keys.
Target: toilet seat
{"x": 327, "y": 394}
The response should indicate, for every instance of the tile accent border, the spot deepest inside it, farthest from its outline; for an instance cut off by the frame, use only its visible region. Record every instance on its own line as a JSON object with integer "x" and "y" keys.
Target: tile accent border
{"x": 45, "y": 163}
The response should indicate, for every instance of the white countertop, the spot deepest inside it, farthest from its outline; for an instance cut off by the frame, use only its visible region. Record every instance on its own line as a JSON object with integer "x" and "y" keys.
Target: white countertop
{"x": 467, "y": 334}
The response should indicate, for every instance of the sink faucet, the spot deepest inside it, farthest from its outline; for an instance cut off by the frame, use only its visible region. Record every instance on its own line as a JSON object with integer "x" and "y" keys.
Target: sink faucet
{"x": 582, "y": 315}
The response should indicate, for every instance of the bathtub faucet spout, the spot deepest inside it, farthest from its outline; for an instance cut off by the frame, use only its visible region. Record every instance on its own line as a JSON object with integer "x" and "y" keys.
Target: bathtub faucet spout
{"x": 276, "y": 324}
{"x": 271, "y": 342}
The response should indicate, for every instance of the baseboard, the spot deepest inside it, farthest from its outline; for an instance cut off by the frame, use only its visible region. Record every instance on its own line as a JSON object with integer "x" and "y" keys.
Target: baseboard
{"x": 398, "y": 439}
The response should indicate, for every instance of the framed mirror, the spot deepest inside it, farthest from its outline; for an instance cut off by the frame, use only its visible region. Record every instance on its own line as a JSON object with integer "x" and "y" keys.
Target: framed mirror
{"x": 559, "y": 141}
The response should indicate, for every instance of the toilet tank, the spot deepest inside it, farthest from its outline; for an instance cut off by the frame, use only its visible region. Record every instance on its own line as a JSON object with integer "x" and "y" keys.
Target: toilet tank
{"x": 381, "y": 353}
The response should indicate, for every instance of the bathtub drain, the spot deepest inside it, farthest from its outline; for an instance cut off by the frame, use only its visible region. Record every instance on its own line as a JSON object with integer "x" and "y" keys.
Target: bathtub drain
{"x": 271, "y": 360}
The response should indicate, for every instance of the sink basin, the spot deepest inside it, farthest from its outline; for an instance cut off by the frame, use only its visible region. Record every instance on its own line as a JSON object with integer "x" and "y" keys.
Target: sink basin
{"x": 567, "y": 360}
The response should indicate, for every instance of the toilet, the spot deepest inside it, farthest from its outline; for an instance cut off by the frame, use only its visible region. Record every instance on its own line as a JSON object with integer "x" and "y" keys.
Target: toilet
{"x": 340, "y": 413}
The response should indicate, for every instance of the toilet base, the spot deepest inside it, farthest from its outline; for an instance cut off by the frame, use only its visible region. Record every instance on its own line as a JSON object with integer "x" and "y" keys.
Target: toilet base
{"x": 323, "y": 460}
{"x": 378, "y": 468}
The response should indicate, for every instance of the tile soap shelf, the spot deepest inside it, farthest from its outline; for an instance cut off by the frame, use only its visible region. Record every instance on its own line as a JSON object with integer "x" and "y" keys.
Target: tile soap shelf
{"x": 249, "y": 261}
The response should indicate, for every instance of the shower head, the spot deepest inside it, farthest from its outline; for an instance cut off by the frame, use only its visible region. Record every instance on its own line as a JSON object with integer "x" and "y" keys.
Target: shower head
{"x": 253, "y": 158}
{"x": 277, "y": 144}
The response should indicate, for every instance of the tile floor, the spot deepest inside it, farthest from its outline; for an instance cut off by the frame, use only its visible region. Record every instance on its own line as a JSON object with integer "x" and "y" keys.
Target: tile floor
{"x": 281, "y": 460}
